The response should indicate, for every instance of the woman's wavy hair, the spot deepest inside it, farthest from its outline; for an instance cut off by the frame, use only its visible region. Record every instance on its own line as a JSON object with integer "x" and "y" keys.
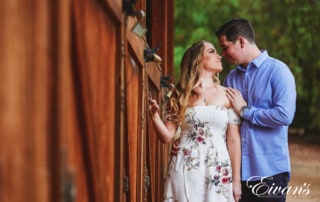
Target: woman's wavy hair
{"x": 191, "y": 66}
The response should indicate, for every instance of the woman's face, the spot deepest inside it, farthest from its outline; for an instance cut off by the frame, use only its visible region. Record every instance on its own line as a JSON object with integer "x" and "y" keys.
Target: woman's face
{"x": 211, "y": 59}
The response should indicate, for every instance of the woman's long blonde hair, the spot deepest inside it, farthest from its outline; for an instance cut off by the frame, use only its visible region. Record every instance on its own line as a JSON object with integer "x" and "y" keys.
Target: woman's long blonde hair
{"x": 191, "y": 66}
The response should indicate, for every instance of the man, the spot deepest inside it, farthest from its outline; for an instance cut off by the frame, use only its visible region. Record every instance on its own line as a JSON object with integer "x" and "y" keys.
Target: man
{"x": 262, "y": 92}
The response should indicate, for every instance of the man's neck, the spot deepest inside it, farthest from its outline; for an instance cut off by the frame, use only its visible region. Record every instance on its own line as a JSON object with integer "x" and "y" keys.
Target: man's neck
{"x": 252, "y": 54}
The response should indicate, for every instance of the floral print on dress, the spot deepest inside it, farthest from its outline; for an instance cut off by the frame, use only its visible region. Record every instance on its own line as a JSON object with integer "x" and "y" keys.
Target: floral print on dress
{"x": 191, "y": 162}
{"x": 201, "y": 171}
{"x": 200, "y": 130}
{"x": 221, "y": 178}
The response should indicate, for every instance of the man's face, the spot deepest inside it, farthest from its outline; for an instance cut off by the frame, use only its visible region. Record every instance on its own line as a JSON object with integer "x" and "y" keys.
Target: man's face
{"x": 229, "y": 50}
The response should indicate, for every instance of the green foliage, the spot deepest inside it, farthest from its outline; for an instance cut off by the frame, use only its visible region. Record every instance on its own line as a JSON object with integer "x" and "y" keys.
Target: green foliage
{"x": 288, "y": 29}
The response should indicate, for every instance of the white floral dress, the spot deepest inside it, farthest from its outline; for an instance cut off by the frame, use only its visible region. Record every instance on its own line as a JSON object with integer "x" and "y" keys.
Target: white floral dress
{"x": 201, "y": 171}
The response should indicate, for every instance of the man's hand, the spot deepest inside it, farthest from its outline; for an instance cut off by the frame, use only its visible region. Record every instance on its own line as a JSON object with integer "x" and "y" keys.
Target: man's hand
{"x": 175, "y": 147}
{"x": 236, "y": 99}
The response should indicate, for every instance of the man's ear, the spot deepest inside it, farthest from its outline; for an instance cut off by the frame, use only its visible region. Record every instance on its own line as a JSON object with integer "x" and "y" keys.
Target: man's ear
{"x": 241, "y": 41}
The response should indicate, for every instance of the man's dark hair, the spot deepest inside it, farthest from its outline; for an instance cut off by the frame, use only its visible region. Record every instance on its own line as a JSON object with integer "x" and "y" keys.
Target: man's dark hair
{"x": 236, "y": 27}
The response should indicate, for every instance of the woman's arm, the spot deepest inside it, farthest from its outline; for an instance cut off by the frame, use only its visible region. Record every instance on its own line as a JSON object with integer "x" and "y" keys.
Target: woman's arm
{"x": 234, "y": 149}
{"x": 165, "y": 131}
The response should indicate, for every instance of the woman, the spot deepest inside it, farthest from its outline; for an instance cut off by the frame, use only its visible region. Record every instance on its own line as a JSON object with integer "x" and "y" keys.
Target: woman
{"x": 207, "y": 166}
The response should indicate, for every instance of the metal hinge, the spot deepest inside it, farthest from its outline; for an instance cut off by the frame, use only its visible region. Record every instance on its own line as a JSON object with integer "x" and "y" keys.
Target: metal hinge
{"x": 126, "y": 184}
{"x": 147, "y": 182}
{"x": 69, "y": 186}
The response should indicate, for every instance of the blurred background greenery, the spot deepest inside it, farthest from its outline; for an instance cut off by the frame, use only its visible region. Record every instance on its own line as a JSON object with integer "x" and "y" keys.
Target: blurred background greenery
{"x": 288, "y": 29}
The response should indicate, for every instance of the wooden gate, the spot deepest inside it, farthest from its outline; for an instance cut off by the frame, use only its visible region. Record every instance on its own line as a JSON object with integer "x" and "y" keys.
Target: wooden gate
{"x": 74, "y": 84}
{"x": 146, "y": 158}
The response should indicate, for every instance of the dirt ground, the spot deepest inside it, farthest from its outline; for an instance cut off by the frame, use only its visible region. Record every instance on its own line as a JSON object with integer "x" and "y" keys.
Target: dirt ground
{"x": 305, "y": 171}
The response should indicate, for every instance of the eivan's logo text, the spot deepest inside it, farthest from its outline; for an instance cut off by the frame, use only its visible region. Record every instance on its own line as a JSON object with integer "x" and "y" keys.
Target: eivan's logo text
{"x": 263, "y": 189}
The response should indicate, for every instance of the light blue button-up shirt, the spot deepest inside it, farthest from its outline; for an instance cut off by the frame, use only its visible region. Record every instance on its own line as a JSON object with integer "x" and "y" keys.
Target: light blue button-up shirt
{"x": 268, "y": 86}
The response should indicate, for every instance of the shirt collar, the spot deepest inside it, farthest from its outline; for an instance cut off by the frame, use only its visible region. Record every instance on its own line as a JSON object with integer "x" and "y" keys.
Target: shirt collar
{"x": 257, "y": 61}
{"x": 261, "y": 58}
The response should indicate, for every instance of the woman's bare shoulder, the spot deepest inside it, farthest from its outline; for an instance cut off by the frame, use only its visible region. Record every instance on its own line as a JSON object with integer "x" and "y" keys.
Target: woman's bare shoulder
{"x": 223, "y": 89}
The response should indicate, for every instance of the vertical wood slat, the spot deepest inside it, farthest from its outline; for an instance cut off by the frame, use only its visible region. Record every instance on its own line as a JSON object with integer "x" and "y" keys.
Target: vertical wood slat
{"x": 132, "y": 80}
{"x": 134, "y": 85}
{"x": 58, "y": 92}
{"x": 24, "y": 100}
{"x": 161, "y": 18}
{"x": 97, "y": 58}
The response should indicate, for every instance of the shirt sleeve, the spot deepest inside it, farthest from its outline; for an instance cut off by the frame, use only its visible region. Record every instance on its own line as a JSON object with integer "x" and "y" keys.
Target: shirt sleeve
{"x": 277, "y": 106}
{"x": 233, "y": 117}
